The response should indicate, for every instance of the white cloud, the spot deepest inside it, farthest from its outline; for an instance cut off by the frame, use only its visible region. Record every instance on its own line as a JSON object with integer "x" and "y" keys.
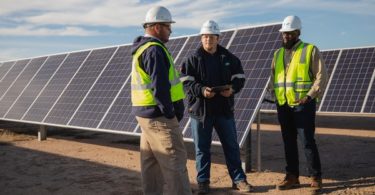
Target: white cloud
{"x": 187, "y": 13}
{"x": 29, "y": 30}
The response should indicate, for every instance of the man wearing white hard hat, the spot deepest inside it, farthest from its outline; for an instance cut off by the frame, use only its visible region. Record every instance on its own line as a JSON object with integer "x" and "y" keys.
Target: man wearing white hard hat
{"x": 298, "y": 80}
{"x": 212, "y": 76}
{"x": 157, "y": 98}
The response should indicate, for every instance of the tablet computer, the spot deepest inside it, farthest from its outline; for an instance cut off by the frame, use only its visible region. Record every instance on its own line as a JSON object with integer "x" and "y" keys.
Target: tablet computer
{"x": 220, "y": 88}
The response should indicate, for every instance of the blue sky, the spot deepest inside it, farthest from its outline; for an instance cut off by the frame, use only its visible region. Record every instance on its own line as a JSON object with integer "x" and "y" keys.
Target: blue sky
{"x": 30, "y": 28}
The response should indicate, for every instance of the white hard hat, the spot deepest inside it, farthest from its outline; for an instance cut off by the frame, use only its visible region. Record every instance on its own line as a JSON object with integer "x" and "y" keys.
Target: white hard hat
{"x": 291, "y": 23}
{"x": 158, "y": 14}
{"x": 210, "y": 27}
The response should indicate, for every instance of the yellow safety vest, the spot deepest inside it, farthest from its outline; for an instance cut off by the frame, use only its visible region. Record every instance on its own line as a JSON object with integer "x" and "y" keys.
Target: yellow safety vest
{"x": 141, "y": 91}
{"x": 293, "y": 85}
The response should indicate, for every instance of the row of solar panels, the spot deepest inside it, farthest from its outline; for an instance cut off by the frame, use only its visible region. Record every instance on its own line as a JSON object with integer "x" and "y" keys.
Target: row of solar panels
{"x": 91, "y": 89}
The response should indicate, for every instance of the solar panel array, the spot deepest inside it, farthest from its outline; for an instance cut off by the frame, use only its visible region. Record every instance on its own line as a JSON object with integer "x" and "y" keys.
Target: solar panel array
{"x": 350, "y": 81}
{"x": 18, "y": 85}
{"x": 91, "y": 89}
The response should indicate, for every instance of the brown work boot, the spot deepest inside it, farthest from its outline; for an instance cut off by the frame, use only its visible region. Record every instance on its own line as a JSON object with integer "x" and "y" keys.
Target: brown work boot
{"x": 242, "y": 186}
{"x": 290, "y": 181}
{"x": 316, "y": 184}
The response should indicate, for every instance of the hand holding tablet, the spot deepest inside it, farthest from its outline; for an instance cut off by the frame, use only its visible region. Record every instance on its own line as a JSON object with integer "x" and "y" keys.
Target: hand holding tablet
{"x": 220, "y": 88}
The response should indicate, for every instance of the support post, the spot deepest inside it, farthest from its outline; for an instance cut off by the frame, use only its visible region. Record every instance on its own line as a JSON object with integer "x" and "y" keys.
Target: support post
{"x": 246, "y": 161}
{"x": 42, "y": 133}
{"x": 259, "y": 151}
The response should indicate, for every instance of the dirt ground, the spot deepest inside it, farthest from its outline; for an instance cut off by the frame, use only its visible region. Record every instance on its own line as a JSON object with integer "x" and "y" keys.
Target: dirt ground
{"x": 85, "y": 162}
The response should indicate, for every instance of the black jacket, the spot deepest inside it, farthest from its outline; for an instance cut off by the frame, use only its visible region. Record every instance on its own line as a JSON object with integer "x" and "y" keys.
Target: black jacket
{"x": 195, "y": 72}
{"x": 155, "y": 63}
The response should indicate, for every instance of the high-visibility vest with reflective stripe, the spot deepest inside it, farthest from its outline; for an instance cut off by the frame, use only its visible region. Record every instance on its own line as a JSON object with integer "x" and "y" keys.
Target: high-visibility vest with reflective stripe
{"x": 293, "y": 85}
{"x": 141, "y": 91}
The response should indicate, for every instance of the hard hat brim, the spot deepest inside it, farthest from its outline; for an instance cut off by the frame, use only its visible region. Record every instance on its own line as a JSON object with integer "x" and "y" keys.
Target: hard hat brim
{"x": 158, "y": 21}
{"x": 204, "y": 33}
{"x": 288, "y": 30}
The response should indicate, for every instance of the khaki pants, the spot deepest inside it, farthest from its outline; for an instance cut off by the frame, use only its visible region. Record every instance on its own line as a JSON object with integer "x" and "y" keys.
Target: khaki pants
{"x": 163, "y": 157}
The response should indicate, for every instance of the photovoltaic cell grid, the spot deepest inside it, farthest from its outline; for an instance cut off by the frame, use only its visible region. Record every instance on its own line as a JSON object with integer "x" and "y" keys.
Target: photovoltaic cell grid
{"x": 106, "y": 89}
{"x": 34, "y": 88}
{"x": 119, "y": 116}
{"x": 329, "y": 58}
{"x": 5, "y": 68}
{"x": 17, "y": 87}
{"x": 370, "y": 104}
{"x": 54, "y": 88}
{"x": 174, "y": 46}
{"x": 225, "y": 38}
{"x": 189, "y": 48}
{"x": 12, "y": 75}
{"x": 350, "y": 81}
{"x": 77, "y": 89}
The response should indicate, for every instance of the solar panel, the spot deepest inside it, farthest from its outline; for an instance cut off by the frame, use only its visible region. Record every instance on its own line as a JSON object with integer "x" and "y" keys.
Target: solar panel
{"x": 5, "y": 67}
{"x": 81, "y": 83}
{"x": 20, "y": 83}
{"x": 370, "y": 104}
{"x": 174, "y": 46}
{"x": 54, "y": 87}
{"x": 27, "y": 97}
{"x": 120, "y": 116}
{"x": 330, "y": 59}
{"x": 189, "y": 48}
{"x": 105, "y": 90}
{"x": 225, "y": 37}
{"x": 350, "y": 81}
{"x": 12, "y": 75}
{"x": 254, "y": 47}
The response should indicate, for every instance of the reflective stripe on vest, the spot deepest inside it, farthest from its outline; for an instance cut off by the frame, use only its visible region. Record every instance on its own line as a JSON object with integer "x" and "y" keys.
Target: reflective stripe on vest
{"x": 141, "y": 90}
{"x": 293, "y": 85}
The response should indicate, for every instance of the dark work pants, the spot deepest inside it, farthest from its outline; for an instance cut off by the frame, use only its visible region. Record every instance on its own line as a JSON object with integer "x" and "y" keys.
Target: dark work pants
{"x": 299, "y": 120}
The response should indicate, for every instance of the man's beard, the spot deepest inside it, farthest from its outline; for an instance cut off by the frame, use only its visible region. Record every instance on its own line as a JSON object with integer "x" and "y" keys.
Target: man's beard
{"x": 289, "y": 44}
